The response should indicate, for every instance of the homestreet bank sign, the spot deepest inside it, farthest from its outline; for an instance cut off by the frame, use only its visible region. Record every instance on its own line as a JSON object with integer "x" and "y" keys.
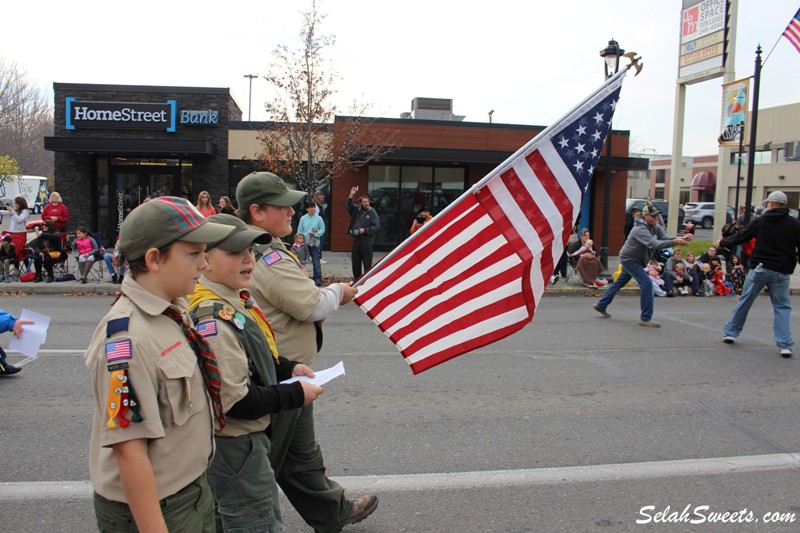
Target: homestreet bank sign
{"x": 138, "y": 116}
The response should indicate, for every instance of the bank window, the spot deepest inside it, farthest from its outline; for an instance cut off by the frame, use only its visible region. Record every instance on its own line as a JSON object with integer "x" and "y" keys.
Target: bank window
{"x": 661, "y": 175}
{"x": 762, "y": 157}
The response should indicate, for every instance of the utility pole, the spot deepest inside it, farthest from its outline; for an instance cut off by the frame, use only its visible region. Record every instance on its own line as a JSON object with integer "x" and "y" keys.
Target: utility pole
{"x": 250, "y": 96}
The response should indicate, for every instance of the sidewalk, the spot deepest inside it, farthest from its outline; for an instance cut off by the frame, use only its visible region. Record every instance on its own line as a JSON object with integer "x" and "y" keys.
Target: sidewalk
{"x": 338, "y": 268}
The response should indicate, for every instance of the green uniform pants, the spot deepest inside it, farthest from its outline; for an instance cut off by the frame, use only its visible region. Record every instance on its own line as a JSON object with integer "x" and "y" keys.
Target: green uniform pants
{"x": 300, "y": 471}
{"x": 244, "y": 485}
{"x": 190, "y": 510}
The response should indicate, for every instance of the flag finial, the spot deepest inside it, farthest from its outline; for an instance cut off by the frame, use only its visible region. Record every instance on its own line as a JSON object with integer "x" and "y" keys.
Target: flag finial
{"x": 634, "y": 62}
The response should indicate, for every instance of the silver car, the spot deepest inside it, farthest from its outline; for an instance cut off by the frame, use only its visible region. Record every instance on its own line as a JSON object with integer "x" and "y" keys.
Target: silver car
{"x": 702, "y": 214}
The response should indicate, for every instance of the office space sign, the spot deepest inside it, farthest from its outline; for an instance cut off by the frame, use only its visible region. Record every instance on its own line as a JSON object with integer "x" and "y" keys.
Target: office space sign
{"x": 704, "y": 37}
{"x": 122, "y": 115}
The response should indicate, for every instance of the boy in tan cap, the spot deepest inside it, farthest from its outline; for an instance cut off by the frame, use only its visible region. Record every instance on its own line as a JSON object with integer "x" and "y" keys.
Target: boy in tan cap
{"x": 247, "y": 498}
{"x": 295, "y": 308}
{"x": 155, "y": 381}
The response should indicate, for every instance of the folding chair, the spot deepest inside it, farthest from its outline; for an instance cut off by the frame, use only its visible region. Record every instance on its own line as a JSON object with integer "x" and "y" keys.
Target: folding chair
{"x": 98, "y": 268}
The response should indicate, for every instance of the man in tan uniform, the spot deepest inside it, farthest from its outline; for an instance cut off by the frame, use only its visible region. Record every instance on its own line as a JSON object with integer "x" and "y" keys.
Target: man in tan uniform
{"x": 295, "y": 307}
{"x": 152, "y": 428}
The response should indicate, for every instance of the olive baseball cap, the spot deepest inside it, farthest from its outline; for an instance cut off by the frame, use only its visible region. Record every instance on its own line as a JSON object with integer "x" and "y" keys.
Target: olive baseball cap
{"x": 241, "y": 237}
{"x": 265, "y": 188}
{"x": 650, "y": 210}
{"x": 163, "y": 220}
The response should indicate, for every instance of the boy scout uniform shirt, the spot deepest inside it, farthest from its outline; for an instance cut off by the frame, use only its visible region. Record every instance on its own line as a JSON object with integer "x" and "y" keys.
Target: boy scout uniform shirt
{"x": 167, "y": 385}
{"x": 231, "y": 357}
{"x": 287, "y": 296}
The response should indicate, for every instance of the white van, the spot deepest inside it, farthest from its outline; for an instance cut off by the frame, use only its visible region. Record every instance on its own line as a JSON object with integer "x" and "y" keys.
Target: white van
{"x": 32, "y": 188}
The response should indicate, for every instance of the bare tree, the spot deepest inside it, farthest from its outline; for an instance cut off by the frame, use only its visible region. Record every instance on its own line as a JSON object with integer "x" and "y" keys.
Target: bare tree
{"x": 305, "y": 140}
{"x": 26, "y": 117}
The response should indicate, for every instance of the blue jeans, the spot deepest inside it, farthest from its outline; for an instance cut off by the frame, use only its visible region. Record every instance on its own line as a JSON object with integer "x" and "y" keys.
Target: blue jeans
{"x": 632, "y": 269}
{"x": 313, "y": 251}
{"x": 108, "y": 258}
{"x": 778, "y": 285}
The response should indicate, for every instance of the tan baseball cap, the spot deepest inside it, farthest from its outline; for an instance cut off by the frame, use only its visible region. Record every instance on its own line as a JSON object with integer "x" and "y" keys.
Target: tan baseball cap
{"x": 241, "y": 237}
{"x": 163, "y": 220}
{"x": 265, "y": 188}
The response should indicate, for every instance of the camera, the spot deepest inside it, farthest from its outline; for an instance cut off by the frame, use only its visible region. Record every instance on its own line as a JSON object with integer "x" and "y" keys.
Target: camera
{"x": 354, "y": 232}
{"x": 420, "y": 220}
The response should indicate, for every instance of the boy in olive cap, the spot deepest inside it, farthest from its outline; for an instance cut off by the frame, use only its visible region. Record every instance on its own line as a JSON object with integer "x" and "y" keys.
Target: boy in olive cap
{"x": 295, "y": 308}
{"x": 247, "y": 499}
{"x": 155, "y": 381}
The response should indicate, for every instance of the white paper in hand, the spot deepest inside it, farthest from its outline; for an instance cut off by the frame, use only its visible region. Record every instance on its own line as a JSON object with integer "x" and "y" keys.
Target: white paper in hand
{"x": 33, "y": 335}
{"x": 321, "y": 377}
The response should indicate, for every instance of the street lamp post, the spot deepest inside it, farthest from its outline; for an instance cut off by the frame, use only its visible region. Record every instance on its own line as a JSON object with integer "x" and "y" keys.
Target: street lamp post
{"x": 610, "y": 55}
{"x": 250, "y": 95}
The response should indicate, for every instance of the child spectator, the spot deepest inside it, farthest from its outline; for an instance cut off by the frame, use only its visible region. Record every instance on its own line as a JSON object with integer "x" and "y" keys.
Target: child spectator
{"x": 653, "y": 270}
{"x": 299, "y": 249}
{"x": 88, "y": 251}
{"x": 238, "y": 332}
{"x": 9, "y": 322}
{"x": 736, "y": 274}
{"x": 681, "y": 279}
{"x": 721, "y": 288}
{"x": 706, "y": 280}
{"x": 586, "y": 248}
{"x": 155, "y": 380}
{"x": 8, "y": 256}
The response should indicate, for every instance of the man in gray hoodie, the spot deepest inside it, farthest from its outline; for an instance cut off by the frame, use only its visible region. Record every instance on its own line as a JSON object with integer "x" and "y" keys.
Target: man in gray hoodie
{"x": 646, "y": 237}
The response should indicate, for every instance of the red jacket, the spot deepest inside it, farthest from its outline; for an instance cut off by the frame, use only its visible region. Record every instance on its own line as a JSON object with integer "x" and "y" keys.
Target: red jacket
{"x": 59, "y": 211}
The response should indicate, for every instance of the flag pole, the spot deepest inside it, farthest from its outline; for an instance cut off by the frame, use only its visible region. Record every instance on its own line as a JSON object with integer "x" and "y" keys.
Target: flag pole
{"x": 502, "y": 167}
{"x": 751, "y": 149}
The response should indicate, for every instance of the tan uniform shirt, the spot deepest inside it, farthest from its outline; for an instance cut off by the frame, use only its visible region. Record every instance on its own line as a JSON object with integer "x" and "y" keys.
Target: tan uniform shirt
{"x": 286, "y": 294}
{"x": 163, "y": 373}
{"x": 231, "y": 358}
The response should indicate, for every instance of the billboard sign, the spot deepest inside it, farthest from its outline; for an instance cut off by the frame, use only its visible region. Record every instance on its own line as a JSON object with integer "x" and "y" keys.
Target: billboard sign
{"x": 702, "y": 44}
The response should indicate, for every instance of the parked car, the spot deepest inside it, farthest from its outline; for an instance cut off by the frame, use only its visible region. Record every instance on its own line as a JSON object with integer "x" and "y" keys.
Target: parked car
{"x": 661, "y": 205}
{"x": 702, "y": 214}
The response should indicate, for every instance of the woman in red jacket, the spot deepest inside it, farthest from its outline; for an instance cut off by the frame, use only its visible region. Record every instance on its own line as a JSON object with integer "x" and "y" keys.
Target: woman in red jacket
{"x": 58, "y": 213}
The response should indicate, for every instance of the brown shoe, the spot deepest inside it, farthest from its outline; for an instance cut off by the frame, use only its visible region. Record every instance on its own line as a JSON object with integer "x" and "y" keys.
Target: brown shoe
{"x": 362, "y": 508}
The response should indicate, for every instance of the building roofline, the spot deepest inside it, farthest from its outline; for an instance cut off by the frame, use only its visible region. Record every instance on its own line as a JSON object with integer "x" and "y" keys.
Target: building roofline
{"x": 141, "y": 88}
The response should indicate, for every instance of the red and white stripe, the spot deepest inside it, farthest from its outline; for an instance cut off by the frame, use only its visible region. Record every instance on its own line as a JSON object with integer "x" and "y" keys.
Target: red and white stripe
{"x": 464, "y": 284}
{"x": 792, "y": 31}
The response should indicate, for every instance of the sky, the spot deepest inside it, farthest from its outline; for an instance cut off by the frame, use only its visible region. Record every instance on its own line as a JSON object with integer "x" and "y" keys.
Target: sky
{"x": 530, "y": 62}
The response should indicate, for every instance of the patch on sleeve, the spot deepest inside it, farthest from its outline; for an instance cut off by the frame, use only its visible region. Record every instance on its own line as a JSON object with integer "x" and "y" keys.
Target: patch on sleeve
{"x": 207, "y": 328}
{"x": 273, "y": 257}
{"x": 117, "y": 325}
{"x": 118, "y": 350}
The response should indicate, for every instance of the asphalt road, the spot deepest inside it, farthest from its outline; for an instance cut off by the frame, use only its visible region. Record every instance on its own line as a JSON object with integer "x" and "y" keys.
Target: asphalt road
{"x": 577, "y": 423}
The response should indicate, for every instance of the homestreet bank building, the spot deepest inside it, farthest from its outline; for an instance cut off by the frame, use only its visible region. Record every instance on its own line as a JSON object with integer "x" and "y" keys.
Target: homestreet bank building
{"x": 116, "y": 145}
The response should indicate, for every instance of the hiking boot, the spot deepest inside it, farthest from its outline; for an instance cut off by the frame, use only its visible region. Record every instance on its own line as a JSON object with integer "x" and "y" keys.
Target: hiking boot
{"x": 362, "y": 508}
{"x": 786, "y": 353}
{"x": 649, "y": 324}
{"x": 601, "y": 311}
{"x": 114, "y": 279}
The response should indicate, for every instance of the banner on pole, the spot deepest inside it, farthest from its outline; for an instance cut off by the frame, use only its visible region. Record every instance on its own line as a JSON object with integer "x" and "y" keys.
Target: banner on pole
{"x": 735, "y": 96}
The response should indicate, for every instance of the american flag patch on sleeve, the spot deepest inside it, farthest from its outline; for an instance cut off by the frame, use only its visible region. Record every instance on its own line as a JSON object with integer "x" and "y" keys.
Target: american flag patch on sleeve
{"x": 207, "y": 328}
{"x": 273, "y": 257}
{"x": 118, "y": 350}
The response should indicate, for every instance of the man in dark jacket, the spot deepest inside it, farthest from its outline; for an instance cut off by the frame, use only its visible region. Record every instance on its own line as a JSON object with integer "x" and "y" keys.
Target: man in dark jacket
{"x": 771, "y": 264}
{"x": 364, "y": 223}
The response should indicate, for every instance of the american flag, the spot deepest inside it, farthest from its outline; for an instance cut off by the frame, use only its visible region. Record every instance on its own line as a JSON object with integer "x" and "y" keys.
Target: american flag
{"x": 476, "y": 272}
{"x": 793, "y": 31}
{"x": 117, "y": 350}
{"x": 207, "y": 328}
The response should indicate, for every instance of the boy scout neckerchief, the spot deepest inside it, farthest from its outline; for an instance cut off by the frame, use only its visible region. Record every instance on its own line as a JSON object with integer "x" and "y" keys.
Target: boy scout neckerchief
{"x": 206, "y": 360}
{"x": 202, "y": 293}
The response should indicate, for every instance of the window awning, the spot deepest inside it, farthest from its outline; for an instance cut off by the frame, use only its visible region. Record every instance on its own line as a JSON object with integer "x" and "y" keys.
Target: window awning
{"x": 135, "y": 147}
{"x": 704, "y": 181}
